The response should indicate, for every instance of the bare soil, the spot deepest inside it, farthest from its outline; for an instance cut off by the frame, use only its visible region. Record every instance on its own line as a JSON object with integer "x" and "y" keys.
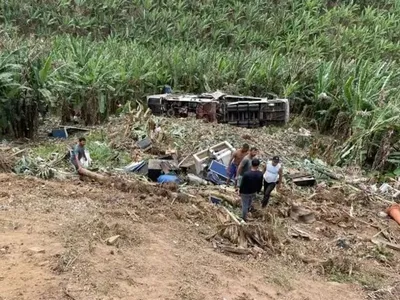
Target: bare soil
{"x": 54, "y": 246}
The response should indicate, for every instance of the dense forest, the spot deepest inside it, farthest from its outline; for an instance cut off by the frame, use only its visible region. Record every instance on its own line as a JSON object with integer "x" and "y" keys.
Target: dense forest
{"x": 337, "y": 61}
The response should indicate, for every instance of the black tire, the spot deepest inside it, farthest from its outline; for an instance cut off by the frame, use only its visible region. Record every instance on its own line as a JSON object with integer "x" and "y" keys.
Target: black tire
{"x": 170, "y": 113}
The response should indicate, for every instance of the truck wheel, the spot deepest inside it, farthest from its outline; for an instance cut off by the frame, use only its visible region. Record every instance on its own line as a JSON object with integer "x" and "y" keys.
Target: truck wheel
{"x": 170, "y": 112}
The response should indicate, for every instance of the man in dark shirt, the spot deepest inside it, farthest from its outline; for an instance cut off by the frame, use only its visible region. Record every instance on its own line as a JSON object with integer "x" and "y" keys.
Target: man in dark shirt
{"x": 250, "y": 185}
{"x": 245, "y": 165}
{"x": 77, "y": 153}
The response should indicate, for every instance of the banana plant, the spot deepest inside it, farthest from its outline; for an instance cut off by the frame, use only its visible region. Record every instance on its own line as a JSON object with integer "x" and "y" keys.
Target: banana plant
{"x": 44, "y": 82}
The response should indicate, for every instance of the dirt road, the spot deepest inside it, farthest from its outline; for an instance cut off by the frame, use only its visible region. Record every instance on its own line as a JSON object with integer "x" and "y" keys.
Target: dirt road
{"x": 54, "y": 246}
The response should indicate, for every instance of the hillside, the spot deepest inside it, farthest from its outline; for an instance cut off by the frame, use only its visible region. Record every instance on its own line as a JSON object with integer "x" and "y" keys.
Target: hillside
{"x": 335, "y": 60}
{"x": 127, "y": 238}
{"x": 54, "y": 245}
{"x": 172, "y": 242}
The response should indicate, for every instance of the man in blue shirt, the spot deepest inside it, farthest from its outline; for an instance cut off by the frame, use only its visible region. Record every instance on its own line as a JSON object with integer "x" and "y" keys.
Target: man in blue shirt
{"x": 77, "y": 153}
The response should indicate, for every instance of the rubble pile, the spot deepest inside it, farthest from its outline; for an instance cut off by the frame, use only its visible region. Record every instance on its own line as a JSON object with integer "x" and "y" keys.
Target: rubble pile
{"x": 322, "y": 215}
{"x": 5, "y": 164}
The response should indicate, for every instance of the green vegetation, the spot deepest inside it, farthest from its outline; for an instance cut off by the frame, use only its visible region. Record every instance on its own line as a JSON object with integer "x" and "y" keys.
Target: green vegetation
{"x": 337, "y": 61}
{"x": 102, "y": 154}
{"x": 98, "y": 145}
{"x": 49, "y": 149}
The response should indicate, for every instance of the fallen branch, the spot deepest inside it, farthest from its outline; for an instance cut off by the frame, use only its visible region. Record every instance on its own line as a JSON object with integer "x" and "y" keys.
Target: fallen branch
{"x": 311, "y": 260}
{"x": 235, "y": 250}
{"x": 230, "y": 199}
{"x": 92, "y": 175}
{"x": 372, "y": 194}
{"x": 211, "y": 236}
{"x": 68, "y": 295}
{"x": 234, "y": 218}
{"x": 18, "y": 152}
{"x": 361, "y": 221}
{"x": 387, "y": 244}
{"x": 133, "y": 216}
{"x": 173, "y": 200}
{"x": 297, "y": 232}
{"x": 326, "y": 172}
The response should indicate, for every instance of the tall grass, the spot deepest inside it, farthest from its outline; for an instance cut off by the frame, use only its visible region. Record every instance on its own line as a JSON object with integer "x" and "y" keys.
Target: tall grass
{"x": 335, "y": 60}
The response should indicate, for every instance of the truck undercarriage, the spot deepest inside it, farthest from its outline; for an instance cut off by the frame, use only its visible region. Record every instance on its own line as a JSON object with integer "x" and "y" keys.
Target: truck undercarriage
{"x": 243, "y": 111}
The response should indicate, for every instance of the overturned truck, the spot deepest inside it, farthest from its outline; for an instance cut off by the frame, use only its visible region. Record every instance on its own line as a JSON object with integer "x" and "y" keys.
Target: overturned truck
{"x": 243, "y": 111}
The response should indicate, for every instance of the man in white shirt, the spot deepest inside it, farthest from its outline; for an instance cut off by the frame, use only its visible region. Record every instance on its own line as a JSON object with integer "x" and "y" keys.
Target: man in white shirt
{"x": 272, "y": 177}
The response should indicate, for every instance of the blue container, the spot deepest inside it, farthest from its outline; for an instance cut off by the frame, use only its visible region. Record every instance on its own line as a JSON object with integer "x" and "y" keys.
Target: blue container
{"x": 167, "y": 178}
{"x": 60, "y": 133}
{"x": 218, "y": 168}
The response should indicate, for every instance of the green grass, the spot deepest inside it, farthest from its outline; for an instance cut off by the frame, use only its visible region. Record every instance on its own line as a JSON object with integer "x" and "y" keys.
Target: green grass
{"x": 97, "y": 143}
{"x": 368, "y": 280}
{"x": 104, "y": 156}
{"x": 337, "y": 61}
{"x": 48, "y": 149}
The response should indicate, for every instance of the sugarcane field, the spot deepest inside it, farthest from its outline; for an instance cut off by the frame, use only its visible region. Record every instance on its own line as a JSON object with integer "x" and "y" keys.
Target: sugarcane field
{"x": 199, "y": 150}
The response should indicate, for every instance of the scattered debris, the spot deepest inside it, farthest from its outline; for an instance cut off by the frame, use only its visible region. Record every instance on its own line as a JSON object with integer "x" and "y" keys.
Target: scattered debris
{"x": 112, "y": 240}
{"x": 297, "y": 232}
{"x": 215, "y": 200}
{"x": 37, "y": 250}
{"x": 304, "y": 180}
{"x": 342, "y": 243}
{"x": 38, "y": 167}
{"x": 135, "y": 166}
{"x": 382, "y": 215}
{"x": 168, "y": 178}
{"x": 144, "y": 144}
{"x": 248, "y": 236}
{"x": 193, "y": 179}
{"x": 66, "y": 131}
{"x": 387, "y": 244}
{"x": 235, "y": 250}
{"x": 5, "y": 163}
{"x": 218, "y": 168}
{"x": 158, "y": 166}
{"x": 301, "y": 214}
{"x": 325, "y": 209}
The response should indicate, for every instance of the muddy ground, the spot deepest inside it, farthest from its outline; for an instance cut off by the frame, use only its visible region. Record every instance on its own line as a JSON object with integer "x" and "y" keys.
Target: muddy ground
{"x": 55, "y": 234}
{"x": 54, "y": 246}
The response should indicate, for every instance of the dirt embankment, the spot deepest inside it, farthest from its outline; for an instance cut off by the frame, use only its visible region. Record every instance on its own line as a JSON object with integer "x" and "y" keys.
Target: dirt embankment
{"x": 55, "y": 245}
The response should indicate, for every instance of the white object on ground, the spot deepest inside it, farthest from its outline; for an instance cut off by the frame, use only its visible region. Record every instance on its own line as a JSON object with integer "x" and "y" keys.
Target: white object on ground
{"x": 304, "y": 132}
{"x": 384, "y": 188}
{"x": 196, "y": 179}
{"x": 86, "y": 163}
{"x": 222, "y": 152}
{"x": 382, "y": 214}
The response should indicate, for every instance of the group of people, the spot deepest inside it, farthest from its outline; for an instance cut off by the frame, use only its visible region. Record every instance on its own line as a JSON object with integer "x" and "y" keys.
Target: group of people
{"x": 244, "y": 168}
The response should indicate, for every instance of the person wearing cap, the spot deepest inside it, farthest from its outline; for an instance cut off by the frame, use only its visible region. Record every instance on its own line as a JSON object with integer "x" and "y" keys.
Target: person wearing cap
{"x": 272, "y": 177}
{"x": 250, "y": 185}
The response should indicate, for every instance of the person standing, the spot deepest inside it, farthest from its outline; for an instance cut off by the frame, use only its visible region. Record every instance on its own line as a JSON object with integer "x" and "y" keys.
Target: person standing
{"x": 77, "y": 153}
{"x": 245, "y": 165}
{"x": 272, "y": 177}
{"x": 250, "y": 185}
{"x": 235, "y": 161}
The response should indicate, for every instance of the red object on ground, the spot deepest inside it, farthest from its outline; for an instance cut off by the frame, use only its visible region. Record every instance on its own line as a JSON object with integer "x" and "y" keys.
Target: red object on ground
{"x": 394, "y": 212}
{"x": 207, "y": 111}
